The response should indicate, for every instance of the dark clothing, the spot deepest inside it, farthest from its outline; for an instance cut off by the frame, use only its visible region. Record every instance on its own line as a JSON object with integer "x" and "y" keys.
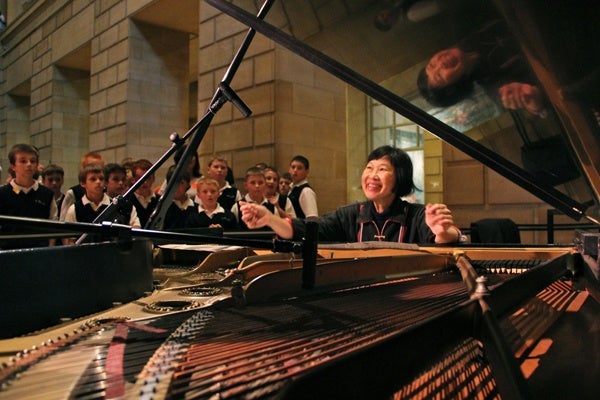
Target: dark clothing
{"x": 563, "y": 36}
{"x": 242, "y": 224}
{"x": 495, "y": 230}
{"x": 282, "y": 201}
{"x": 225, "y": 219}
{"x": 34, "y": 204}
{"x": 144, "y": 212}
{"x": 59, "y": 202}
{"x": 227, "y": 198}
{"x": 359, "y": 223}
{"x": 294, "y": 197}
{"x": 85, "y": 213}
{"x": 78, "y": 192}
{"x": 177, "y": 218}
{"x": 500, "y": 59}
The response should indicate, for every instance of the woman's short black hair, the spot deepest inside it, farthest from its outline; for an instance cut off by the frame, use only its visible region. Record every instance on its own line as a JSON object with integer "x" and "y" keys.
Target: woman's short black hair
{"x": 403, "y": 167}
{"x": 447, "y": 95}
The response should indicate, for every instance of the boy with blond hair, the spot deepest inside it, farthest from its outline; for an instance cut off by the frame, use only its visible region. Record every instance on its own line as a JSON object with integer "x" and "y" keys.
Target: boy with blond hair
{"x": 210, "y": 212}
{"x": 228, "y": 194}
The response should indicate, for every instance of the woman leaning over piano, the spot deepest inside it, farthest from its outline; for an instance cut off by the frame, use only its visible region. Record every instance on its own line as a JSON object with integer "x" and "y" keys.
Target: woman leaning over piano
{"x": 387, "y": 177}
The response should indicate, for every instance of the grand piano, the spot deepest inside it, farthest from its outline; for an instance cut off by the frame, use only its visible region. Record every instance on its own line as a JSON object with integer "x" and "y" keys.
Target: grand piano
{"x": 192, "y": 315}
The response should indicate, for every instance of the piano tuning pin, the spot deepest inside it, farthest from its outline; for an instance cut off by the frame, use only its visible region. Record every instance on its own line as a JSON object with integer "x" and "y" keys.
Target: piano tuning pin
{"x": 481, "y": 288}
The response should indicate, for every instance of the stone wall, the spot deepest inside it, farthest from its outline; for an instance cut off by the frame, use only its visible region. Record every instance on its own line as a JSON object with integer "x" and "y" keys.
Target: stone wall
{"x": 296, "y": 109}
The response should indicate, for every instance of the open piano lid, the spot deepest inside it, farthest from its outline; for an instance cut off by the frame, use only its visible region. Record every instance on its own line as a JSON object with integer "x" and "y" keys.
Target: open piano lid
{"x": 550, "y": 151}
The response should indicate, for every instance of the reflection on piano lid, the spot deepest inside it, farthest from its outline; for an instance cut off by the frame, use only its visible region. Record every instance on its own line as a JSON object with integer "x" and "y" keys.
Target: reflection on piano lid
{"x": 451, "y": 66}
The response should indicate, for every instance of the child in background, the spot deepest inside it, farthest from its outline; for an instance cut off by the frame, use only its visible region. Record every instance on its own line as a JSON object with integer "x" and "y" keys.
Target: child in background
{"x": 76, "y": 192}
{"x": 144, "y": 200}
{"x": 23, "y": 196}
{"x": 53, "y": 177}
{"x": 254, "y": 184}
{"x": 94, "y": 201}
{"x": 127, "y": 163}
{"x": 192, "y": 169}
{"x": 115, "y": 175}
{"x": 210, "y": 213}
{"x": 284, "y": 183}
{"x": 116, "y": 183}
{"x": 303, "y": 197}
{"x": 280, "y": 201}
{"x": 218, "y": 170}
{"x": 182, "y": 212}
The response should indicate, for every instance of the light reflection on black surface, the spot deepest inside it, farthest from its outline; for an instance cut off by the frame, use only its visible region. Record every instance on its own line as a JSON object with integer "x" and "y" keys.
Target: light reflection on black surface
{"x": 501, "y": 102}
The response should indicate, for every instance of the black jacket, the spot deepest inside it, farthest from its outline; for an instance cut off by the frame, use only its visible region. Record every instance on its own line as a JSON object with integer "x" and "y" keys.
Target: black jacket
{"x": 356, "y": 223}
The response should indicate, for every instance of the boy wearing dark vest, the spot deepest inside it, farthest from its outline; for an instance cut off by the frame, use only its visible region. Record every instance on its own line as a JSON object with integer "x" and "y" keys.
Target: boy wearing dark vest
{"x": 53, "y": 177}
{"x": 210, "y": 213}
{"x": 23, "y": 196}
{"x": 144, "y": 200}
{"x": 76, "y": 192}
{"x": 228, "y": 194}
{"x": 115, "y": 178}
{"x": 254, "y": 184}
{"x": 303, "y": 197}
{"x": 284, "y": 183}
{"x": 281, "y": 202}
{"x": 182, "y": 210}
{"x": 95, "y": 200}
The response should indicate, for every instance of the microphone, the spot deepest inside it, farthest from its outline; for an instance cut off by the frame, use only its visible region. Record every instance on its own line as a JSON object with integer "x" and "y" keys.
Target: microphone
{"x": 234, "y": 98}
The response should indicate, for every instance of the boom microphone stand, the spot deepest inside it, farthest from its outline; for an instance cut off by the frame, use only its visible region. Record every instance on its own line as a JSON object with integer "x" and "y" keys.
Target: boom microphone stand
{"x": 223, "y": 94}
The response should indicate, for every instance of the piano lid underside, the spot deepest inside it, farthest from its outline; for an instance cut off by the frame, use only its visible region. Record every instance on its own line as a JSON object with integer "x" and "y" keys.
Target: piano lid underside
{"x": 551, "y": 154}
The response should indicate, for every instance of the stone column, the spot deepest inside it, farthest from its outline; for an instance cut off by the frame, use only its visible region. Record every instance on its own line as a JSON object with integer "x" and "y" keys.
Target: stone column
{"x": 139, "y": 90}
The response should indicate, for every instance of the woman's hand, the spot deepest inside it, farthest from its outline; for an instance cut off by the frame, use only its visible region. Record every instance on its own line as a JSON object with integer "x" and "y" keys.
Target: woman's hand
{"x": 517, "y": 95}
{"x": 439, "y": 219}
{"x": 254, "y": 215}
{"x": 258, "y": 216}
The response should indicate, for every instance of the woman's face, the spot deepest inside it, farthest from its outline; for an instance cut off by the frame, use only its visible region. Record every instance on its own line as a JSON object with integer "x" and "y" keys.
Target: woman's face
{"x": 378, "y": 180}
{"x": 446, "y": 67}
